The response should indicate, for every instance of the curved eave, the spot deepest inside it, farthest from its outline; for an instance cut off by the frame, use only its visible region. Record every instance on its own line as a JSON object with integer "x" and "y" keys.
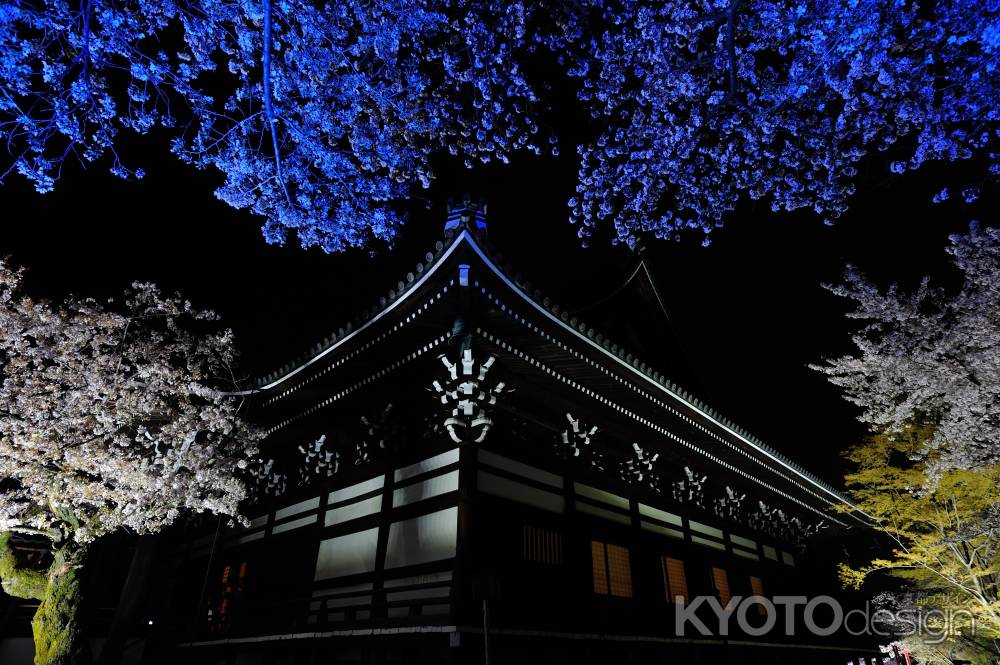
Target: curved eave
{"x": 835, "y": 497}
{"x": 798, "y": 474}
{"x": 360, "y": 329}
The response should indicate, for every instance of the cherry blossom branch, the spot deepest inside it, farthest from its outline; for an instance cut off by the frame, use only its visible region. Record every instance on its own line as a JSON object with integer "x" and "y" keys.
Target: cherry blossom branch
{"x": 269, "y": 100}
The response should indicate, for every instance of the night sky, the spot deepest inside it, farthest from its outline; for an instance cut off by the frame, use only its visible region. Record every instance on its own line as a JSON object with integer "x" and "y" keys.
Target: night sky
{"x": 744, "y": 316}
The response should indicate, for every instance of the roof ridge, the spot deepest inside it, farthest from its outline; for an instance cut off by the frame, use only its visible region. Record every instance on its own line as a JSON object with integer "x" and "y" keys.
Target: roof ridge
{"x": 515, "y": 279}
{"x": 403, "y": 286}
{"x": 581, "y": 329}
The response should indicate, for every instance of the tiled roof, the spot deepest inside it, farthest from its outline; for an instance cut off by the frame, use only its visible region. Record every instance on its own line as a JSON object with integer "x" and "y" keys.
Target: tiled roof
{"x": 642, "y": 374}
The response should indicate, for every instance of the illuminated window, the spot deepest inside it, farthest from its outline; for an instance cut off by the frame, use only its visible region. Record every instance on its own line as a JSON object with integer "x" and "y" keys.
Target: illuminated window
{"x": 542, "y": 545}
{"x": 621, "y": 571}
{"x": 227, "y": 590}
{"x": 230, "y": 587}
{"x": 758, "y": 590}
{"x": 600, "y": 567}
{"x": 674, "y": 580}
{"x": 721, "y": 583}
{"x": 612, "y": 570}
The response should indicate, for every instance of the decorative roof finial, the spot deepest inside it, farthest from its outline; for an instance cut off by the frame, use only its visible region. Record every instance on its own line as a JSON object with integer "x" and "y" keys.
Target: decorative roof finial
{"x": 466, "y": 214}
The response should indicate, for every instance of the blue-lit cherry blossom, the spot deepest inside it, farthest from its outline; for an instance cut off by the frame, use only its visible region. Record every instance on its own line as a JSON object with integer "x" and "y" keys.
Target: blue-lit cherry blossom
{"x": 703, "y": 104}
{"x": 324, "y": 118}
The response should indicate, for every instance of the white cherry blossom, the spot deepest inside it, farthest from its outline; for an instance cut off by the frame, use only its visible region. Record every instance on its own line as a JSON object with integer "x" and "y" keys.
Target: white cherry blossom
{"x": 114, "y": 416}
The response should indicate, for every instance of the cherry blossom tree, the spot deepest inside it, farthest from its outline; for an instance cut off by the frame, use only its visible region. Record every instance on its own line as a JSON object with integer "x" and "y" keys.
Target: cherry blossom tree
{"x": 112, "y": 417}
{"x": 324, "y": 118}
{"x": 927, "y": 379}
{"x": 931, "y": 358}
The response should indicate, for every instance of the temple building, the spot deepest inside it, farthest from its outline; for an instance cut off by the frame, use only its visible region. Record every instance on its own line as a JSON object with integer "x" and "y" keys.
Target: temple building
{"x": 470, "y": 474}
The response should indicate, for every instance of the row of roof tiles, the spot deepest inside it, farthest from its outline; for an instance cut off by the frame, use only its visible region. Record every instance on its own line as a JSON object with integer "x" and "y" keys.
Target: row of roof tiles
{"x": 413, "y": 278}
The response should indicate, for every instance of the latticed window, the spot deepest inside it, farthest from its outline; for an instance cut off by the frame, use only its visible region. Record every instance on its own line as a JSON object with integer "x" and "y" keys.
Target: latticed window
{"x": 542, "y": 545}
{"x": 721, "y": 583}
{"x": 674, "y": 580}
{"x": 612, "y": 569}
{"x": 600, "y": 567}
{"x": 230, "y": 588}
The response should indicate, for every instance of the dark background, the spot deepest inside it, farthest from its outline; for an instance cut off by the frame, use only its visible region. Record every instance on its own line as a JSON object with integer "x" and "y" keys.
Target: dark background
{"x": 743, "y": 319}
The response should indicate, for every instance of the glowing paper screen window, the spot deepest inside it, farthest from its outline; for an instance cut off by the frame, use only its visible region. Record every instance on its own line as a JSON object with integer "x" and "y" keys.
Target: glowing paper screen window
{"x": 758, "y": 590}
{"x": 721, "y": 583}
{"x": 612, "y": 569}
{"x": 674, "y": 580}
{"x": 600, "y": 567}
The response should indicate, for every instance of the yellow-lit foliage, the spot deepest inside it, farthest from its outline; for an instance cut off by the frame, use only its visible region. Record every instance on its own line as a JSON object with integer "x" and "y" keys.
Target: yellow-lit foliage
{"x": 945, "y": 533}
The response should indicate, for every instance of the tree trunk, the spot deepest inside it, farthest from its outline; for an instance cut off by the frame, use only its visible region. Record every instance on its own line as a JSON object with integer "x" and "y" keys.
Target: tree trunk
{"x": 56, "y": 627}
{"x": 59, "y": 639}
{"x": 16, "y": 581}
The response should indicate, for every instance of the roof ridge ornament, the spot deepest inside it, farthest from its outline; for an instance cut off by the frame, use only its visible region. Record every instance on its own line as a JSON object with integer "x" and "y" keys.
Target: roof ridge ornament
{"x": 466, "y": 214}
